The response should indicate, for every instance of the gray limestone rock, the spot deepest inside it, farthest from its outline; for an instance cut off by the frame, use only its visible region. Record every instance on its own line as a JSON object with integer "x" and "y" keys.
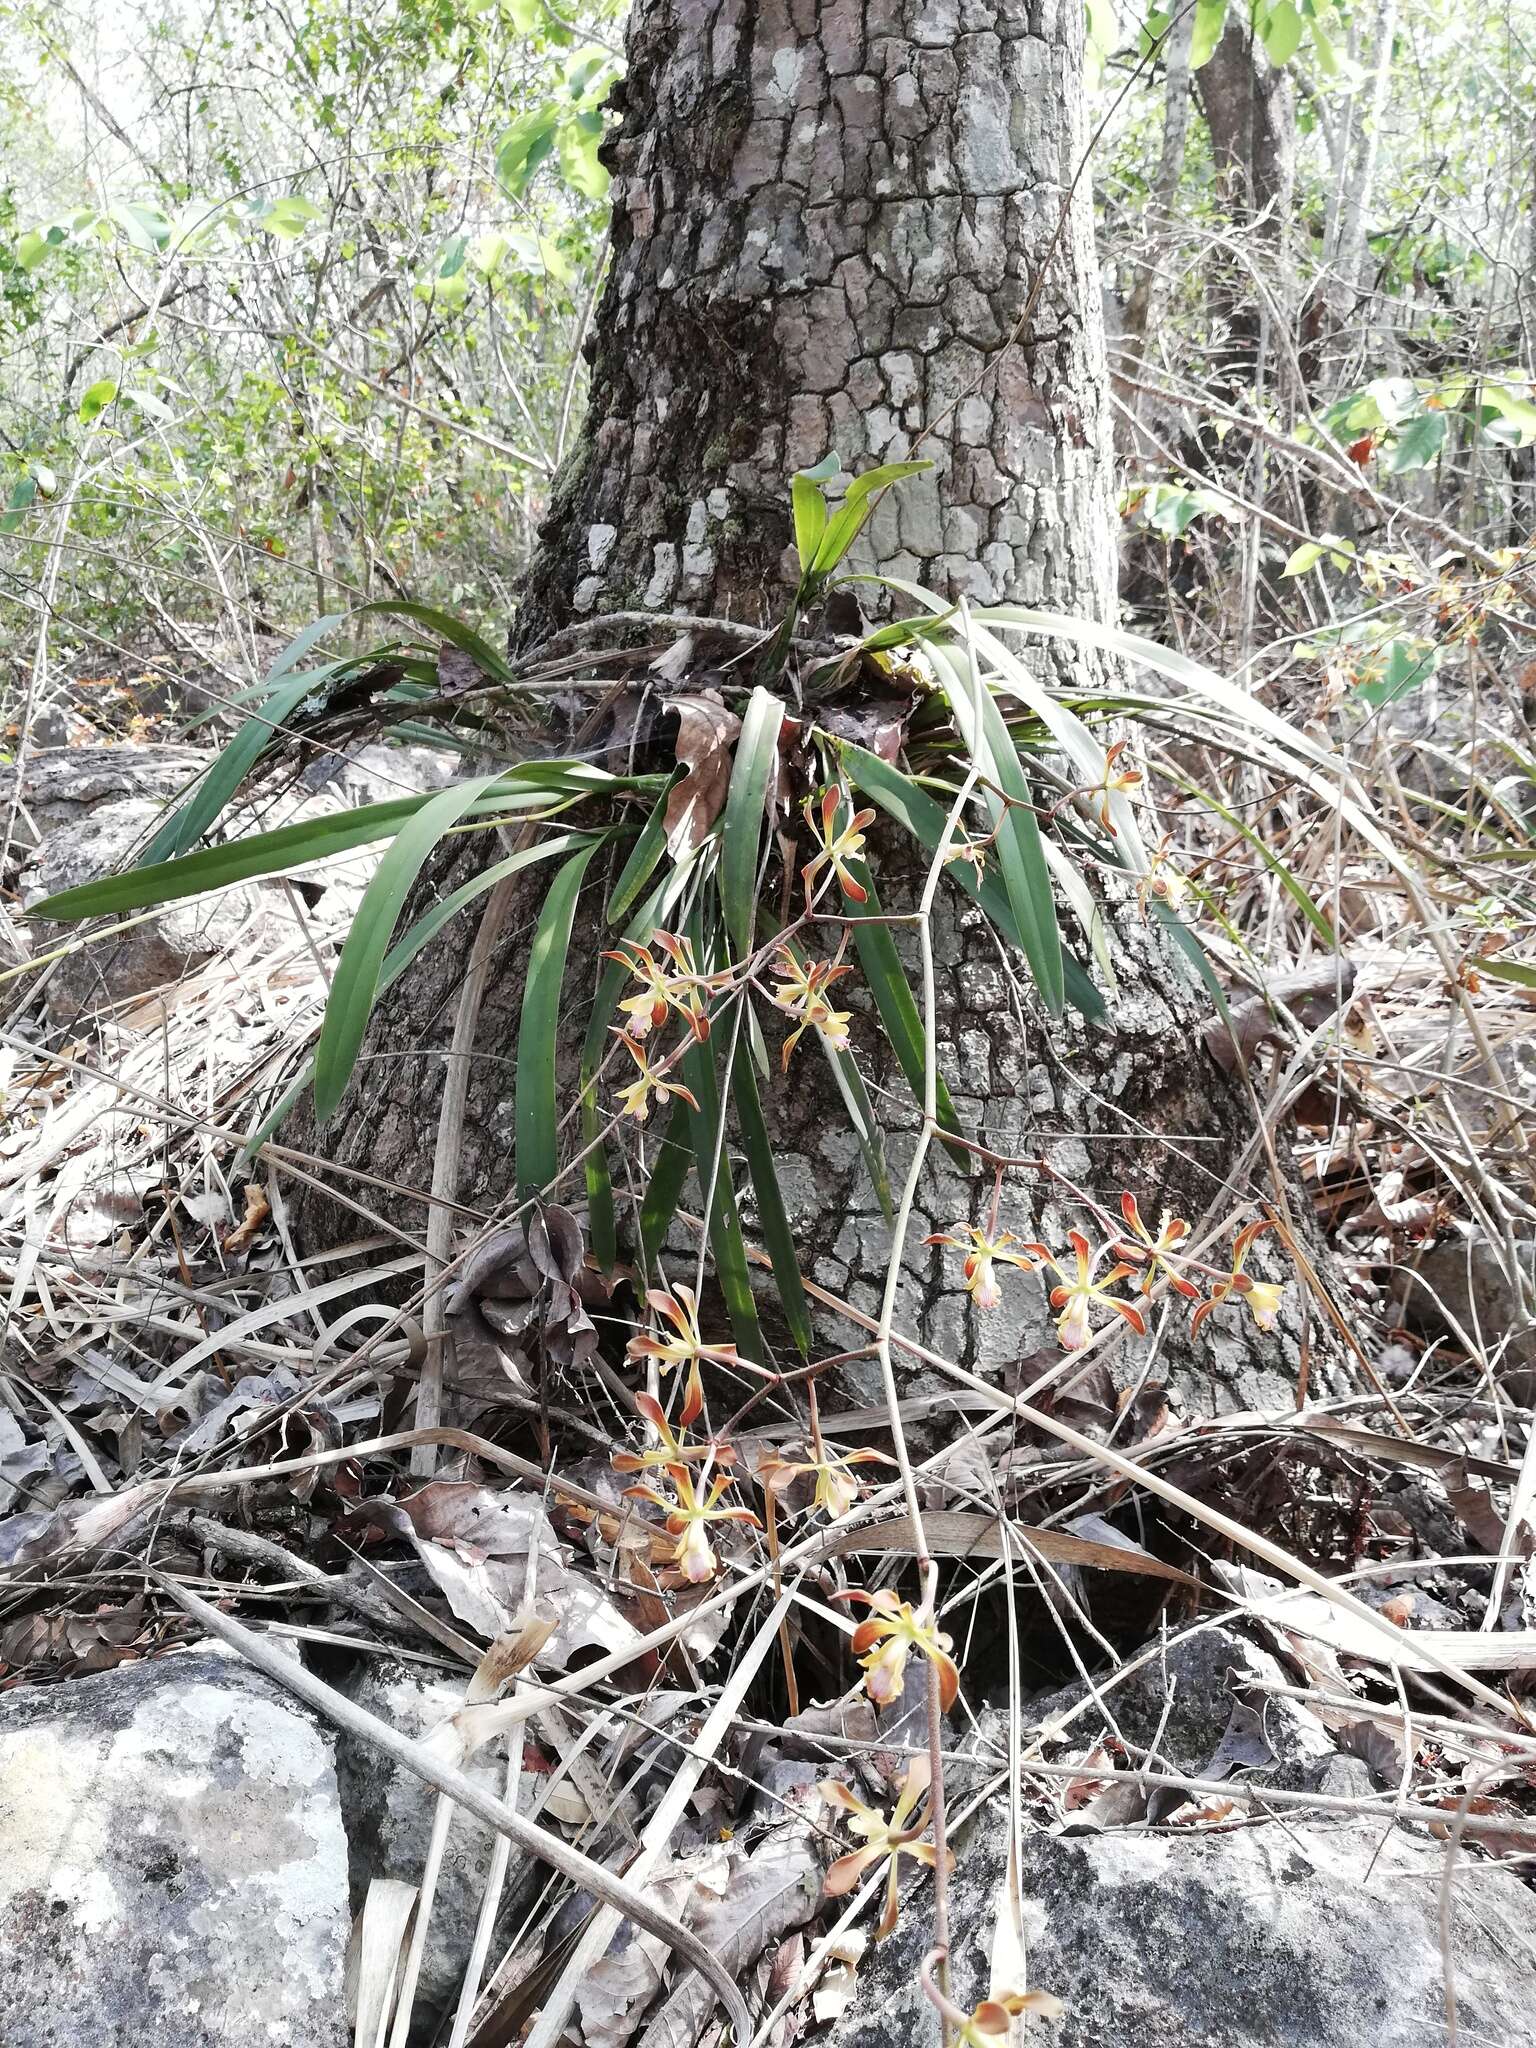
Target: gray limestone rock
{"x": 388, "y": 1815}
{"x": 1311, "y": 1935}
{"x": 62, "y": 785}
{"x": 150, "y": 955}
{"x": 1461, "y": 1284}
{"x": 172, "y": 1863}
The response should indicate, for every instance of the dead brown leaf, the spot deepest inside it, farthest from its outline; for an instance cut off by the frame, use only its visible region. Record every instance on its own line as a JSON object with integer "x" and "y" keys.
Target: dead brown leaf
{"x": 257, "y": 1210}
{"x": 738, "y": 1906}
{"x": 475, "y": 1542}
{"x": 961, "y": 1533}
{"x": 74, "y": 1644}
{"x": 706, "y": 734}
{"x": 522, "y": 1298}
{"x": 879, "y": 727}
{"x": 839, "y": 1978}
{"x": 1200, "y": 1813}
{"x": 78, "y": 1526}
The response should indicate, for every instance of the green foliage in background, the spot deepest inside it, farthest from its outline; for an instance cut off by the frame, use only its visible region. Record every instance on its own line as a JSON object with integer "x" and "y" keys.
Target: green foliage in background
{"x": 309, "y": 332}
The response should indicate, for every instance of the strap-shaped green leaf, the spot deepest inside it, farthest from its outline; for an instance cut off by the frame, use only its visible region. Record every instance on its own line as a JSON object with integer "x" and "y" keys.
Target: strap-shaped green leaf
{"x": 810, "y": 510}
{"x": 755, "y": 767}
{"x": 641, "y": 864}
{"x": 264, "y": 853}
{"x": 356, "y": 982}
{"x": 652, "y": 913}
{"x": 537, "y": 1110}
{"x": 215, "y": 867}
{"x": 713, "y": 1165}
{"x": 773, "y": 1217}
{"x": 727, "y": 1246}
{"x": 601, "y": 1225}
{"x": 861, "y": 1113}
{"x": 901, "y": 797}
{"x": 1520, "y": 972}
{"x": 405, "y": 949}
{"x": 1026, "y": 876}
{"x": 1081, "y": 747}
{"x": 1189, "y": 945}
{"x": 847, "y": 522}
{"x": 454, "y": 631}
{"x": 189, "y": 821}
{"x": 887, "y": 982}
{"x": 664, "y": 1189}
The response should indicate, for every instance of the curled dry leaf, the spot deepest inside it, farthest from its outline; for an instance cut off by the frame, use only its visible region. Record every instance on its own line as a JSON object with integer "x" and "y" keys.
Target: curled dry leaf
{"x": 649, "y": 1606}
{"x": 475, "y": 1543}
{"x": 1395, "y": 1209}
{"x": 96, "y": 1212}
{"x": 77, "y": 1527}
{"x": 1473, "y": 1506}
{"x": 1097, "y": 1766}
{"x": 257, "y": 1210}
{"x": 879, "y": 727}
{"x": 706, "y": 734}
{"x": 1120, "y": 1803}
{"x": 737, "y": 1908}
{"x": 960, "y": 1532}
{"x": 1312, "y": 995}
{"x": 21, "y": 1460}
{"x": 71, "y": 1645}
{"x": 251, "y": 1393}
{"x": 524, "y": 1293}
{"x": 1490, "y": 1839}
{"x": 775, "y": 1976}
{"x": 1200, "y": 1813}
{"x": 1381, "y": 1745}
{"x": 851, "y": 1719}
{"x": 611, "y": 1997}
{"x": 839, "y": 1977}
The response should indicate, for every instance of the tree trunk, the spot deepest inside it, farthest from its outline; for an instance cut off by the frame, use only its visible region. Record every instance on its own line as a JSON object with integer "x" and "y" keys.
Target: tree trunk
{"x": 1147, "y": 294}
{"x": 1250, "y": 110}
{"x": 1351, "y": 260}
{"x": 827, "y": 221}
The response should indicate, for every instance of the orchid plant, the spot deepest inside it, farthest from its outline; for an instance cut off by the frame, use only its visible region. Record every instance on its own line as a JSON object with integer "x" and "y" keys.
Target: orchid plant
{"x": 886, "y": 1838}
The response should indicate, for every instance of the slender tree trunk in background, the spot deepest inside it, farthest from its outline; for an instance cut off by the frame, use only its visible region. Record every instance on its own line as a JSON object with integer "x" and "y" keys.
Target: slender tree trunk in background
{"x": 1526, "y": 292}
{"x": 827, "y": 220}
{"x": 1351, "y": 261}
{"x": 1250, "y": 111}
{"x": 1522, "y": 461}
{"x": 1149, "y": 291}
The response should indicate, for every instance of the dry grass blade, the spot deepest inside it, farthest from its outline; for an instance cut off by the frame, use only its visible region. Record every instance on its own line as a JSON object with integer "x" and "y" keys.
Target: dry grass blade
{"x": 378, "y": 1943}
{"x": 548, "y": 2028}
{"x": 621, "y": 1898}
{"x": 957, "y": 1532}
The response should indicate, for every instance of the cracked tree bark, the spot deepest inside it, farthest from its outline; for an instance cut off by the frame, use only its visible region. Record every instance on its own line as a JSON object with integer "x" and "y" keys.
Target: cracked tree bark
{"x": 827, "y": 221}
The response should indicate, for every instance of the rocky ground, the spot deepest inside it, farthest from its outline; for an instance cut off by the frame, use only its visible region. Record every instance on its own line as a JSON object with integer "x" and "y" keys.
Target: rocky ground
{"x": 1208, "y": 1814}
